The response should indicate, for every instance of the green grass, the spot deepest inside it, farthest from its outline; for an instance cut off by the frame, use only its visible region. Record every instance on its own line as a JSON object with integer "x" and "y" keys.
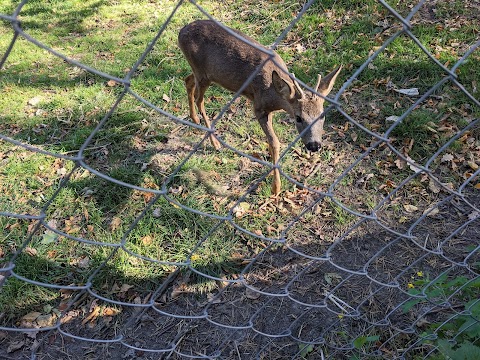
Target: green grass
{"x": 55, "y": 106}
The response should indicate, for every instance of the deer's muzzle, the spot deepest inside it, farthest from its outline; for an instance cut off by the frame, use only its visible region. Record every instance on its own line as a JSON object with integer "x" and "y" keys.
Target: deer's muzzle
{"x": 313, "y": 146}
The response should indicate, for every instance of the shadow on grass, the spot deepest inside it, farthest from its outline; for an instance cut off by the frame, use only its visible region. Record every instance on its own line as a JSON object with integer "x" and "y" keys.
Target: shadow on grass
{"x": 67, "y": 20}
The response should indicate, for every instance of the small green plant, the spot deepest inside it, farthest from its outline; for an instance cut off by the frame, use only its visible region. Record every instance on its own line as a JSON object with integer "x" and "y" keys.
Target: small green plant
{"x": 361, "y": 341}
{"x": 457, "y": 338}
{"x": 305, "y": 349}
{"x": 363, "y": 344}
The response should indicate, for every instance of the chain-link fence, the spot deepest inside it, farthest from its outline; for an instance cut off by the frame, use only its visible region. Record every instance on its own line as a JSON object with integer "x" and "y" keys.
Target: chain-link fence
{"x": 369, "y": 252}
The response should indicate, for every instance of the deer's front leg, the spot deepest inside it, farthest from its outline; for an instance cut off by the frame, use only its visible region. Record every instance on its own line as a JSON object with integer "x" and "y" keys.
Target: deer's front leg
{"x": 274, "y": 149}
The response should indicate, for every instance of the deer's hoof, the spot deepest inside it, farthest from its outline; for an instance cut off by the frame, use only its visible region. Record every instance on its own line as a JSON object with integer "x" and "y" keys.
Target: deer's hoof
{"x": 215, "y": 143}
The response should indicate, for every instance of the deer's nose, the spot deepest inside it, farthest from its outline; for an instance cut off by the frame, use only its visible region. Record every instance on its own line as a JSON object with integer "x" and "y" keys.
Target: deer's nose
{"x": 313, "y": 146}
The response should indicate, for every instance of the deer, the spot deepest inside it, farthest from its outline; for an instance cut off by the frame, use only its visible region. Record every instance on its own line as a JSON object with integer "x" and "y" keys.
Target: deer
{"x": 217, "y": 56}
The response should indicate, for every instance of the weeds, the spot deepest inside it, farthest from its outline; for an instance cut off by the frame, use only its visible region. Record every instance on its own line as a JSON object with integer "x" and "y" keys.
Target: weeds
{"x": 456, "y": 338}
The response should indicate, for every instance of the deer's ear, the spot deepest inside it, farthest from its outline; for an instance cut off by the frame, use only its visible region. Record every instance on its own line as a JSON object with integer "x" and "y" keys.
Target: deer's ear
{"x": 319, "y": 80}
{"x": 325, "y": 85}
{"x": 286, "y": 90}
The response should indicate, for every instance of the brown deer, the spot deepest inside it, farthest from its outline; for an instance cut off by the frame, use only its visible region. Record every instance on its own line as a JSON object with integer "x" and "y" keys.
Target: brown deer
{"x": 217, "y": 56}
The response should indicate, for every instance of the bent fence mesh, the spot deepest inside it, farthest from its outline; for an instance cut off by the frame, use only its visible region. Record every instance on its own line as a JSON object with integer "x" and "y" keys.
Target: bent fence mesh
{"x": 380, "y": 260}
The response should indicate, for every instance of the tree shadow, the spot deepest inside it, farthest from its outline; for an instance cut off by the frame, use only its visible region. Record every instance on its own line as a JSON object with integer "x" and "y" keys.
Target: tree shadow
{"x": 67, "y": 19}
{"x": 369, "y": 271}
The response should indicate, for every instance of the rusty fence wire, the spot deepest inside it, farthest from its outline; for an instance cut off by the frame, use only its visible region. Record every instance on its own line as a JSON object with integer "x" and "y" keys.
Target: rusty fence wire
{"x": 364, "y": 293}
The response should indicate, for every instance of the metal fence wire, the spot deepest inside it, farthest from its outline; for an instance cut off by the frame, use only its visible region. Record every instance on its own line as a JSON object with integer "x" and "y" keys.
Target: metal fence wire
{"x": 399, "y": 281}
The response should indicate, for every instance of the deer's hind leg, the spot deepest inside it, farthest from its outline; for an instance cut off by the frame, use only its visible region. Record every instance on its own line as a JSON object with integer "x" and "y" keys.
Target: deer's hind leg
{"x": 191, "y": 90}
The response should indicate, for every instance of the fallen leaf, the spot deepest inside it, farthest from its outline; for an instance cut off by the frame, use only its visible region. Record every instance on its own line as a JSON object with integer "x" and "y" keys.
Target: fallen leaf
{"x": 72, "y": 230}
{"x": 431, "y": 211}
{"x": 13, "y": 226}
{"x": 69, "y": 316}
{"x": 258, "y": 232}
{"x": 63, "y": 306}
{"x": 467, "y": 174}
{"x": 270, "y": 230}
{"x": 300, "y": 48}
{"x": 332, "y": 278}
{"x": 408, "y": 92}
{"x": 115, "y": 224}
{"x": 144, "y": 166}
{"x": 109, "y": 311}
{"x": 434, "y": 188}
{"x": 147, "y": 196}
{"x": 62, "y": 171}
{"x": 83, "y": 262}
{"x": 177, "y": 291}
{"x": 146, "y": 240}
{"x": 447, "y": 157}
{"x": 92, "y": 316}
{"x": 241, "y": 209}
{"x": 32, "y": 226}
{"x": 52, "y": 223}
{"x": 410, "y": 208}
{"x": 125, "y": 287}
{"x": 71, "y": 226}
{"x": 392, "y": 118}
{"x": 213, "y": 299}
{"x": 400, "y": 164}
{"x": 473, "y": 215}
{"x": 473, "y": 165}
{"x": 34, "y": 101}
{"x": 46, "y": 320}
{"x": 31, "y": 251}
{"x": 252, "y": 294}
{"x": 165, "y": 98}
{"x": 390, "y": 184}
{"x": 411, "y": 165}
{"x": 32, "y": 335}
{"x": 111, "y": 83}
{"x": 31, "y": 316}
{"x": 48, "y": 237}
{"x": 448, "y": 185}
{"x": 15, "y": 345}
{"x": 176, "y": 190}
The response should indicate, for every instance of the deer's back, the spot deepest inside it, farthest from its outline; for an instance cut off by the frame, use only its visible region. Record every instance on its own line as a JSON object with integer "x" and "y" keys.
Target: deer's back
{"x": 220, "y": 57}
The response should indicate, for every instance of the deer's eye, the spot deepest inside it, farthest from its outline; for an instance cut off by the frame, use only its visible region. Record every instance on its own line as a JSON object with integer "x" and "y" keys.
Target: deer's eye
{"x": 298, "y": 119}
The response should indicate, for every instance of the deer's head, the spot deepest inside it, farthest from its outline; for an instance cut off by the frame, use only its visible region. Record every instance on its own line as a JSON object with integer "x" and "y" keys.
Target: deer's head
{"x": 307, "y": 107}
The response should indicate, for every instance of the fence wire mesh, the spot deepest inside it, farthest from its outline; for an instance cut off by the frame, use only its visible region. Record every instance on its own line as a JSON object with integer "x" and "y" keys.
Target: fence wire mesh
{"x": 370, "y": 251}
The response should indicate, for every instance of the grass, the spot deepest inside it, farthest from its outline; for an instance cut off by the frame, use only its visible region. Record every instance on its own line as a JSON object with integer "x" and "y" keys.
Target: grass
{"x": 55, "y": 106}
